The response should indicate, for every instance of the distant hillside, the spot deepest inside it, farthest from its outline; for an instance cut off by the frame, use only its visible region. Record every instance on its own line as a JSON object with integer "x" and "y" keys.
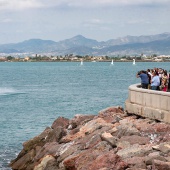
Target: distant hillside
{"x": 157, "y": 44}
{"x": 137, "y": 39}
{"x": 153, "y": 47}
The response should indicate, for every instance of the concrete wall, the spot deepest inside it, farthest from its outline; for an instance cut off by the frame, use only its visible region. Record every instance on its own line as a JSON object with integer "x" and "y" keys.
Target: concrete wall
{"x": 148, "y": 103}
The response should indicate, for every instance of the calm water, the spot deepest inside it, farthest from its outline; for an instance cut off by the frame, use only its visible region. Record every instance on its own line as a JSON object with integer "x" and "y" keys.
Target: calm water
{"x": 33, "y": 95}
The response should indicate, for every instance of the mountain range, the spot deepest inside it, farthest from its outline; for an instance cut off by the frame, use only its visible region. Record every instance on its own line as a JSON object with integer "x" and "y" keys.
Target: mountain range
{"x": 79, "y": 45}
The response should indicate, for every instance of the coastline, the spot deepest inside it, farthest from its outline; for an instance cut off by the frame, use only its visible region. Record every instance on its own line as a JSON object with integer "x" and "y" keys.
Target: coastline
{"x": 96, "y": 61}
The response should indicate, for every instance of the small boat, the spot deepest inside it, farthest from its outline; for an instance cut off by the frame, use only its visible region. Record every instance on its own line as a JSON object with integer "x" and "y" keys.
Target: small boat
{"x": 81, "y": 63}
{"x": 112, "y": 62}
{"x": 133, "y": 61}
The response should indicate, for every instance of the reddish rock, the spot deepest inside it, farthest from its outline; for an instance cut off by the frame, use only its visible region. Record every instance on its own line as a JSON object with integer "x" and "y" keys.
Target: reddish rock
{"x": 80, "y": 120}
{"x": 160, "y": 165}
{"x": 163, "y": 147}
{"x": 143, "y": 125}
{"x": 161, "y": 127}
{"x": 43, "y": 162}
{"x": 153, "y": 156}
{"x": 24, "y": 161}
{"x": 108, "y": 160}
{"x": 136, "y": 162}
{"x": 134, "y": 139}
{"x": 48, "y": 149}
{"x": 134, "y": 150}
{"x": 52, "y": 165}
{"x": 111, "y": 140}
{"x": 39, "y": 140}
{"x": 94, "y": 140}
{"x": 60, "y": 121}
{"x": 122, "y": 144}
{"x": 86, "y": 129}
{"x": 127, "y": 128}
{"x": 69, "y": 162}
{"x": 111, "y": 114}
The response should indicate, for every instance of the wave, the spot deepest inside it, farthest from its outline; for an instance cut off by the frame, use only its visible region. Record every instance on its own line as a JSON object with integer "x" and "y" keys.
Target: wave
{"x": 8, "y": 91}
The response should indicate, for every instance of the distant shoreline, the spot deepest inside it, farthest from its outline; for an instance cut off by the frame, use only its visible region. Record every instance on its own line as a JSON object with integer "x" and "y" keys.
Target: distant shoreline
{"x": 88, "y": 61}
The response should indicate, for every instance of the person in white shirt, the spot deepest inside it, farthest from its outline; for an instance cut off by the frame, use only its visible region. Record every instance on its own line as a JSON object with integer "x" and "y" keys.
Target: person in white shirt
{"x": 155, "y": 81}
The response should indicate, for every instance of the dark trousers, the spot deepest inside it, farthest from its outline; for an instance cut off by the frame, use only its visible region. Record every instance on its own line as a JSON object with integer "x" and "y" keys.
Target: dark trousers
{"x": 144, "y": 86}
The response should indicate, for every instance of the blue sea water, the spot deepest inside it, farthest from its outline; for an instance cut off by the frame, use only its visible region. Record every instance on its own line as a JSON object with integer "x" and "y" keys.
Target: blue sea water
{"x": 34, "y": 94}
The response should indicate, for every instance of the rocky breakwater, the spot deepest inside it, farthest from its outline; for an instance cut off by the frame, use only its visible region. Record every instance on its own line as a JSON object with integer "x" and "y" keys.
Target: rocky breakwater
{"x": 111, "y": 140}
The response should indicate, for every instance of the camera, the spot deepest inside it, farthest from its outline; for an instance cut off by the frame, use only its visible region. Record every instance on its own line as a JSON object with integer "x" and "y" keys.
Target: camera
{"x": 139, "y": 72}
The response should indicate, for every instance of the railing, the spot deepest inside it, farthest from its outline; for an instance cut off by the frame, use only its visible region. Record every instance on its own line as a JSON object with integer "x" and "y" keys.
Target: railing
{"x": 148, "y": 103}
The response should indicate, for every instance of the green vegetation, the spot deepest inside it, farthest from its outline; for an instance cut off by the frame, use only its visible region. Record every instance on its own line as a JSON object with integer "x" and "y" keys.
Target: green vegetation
{"x": 71, "y": 57}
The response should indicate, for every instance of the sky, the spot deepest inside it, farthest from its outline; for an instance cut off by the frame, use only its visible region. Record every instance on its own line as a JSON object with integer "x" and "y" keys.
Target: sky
{"x": 101, "y": 20}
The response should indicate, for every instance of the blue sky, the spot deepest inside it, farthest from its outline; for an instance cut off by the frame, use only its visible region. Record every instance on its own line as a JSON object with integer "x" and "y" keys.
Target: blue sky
{"x": 96, "y": 19}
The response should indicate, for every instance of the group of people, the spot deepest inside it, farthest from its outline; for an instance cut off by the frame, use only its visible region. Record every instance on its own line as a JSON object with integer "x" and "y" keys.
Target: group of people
{"x": 155, "y": 79}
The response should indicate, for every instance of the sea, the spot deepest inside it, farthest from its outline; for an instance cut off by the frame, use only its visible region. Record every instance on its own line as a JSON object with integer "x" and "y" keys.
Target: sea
{"x": 34, "y": 94}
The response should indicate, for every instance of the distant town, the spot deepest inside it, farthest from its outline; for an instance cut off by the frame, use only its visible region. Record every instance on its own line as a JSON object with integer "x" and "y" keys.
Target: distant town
{"x": 88, "y": 58}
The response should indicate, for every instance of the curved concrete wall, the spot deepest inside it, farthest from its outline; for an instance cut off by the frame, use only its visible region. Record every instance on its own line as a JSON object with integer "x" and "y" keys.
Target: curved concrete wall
{"x": 148, "y": 103}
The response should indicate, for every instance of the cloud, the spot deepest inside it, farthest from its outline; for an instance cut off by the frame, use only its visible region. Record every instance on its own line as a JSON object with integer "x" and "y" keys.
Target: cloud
{"x": 27, "y": 4}
{"x": 92, "y": 23}
{"x": 105, "y": 3}
{"x": 138, "y": 21}
{"x": 19, "y": 4}
{"x": 6, "y": 20}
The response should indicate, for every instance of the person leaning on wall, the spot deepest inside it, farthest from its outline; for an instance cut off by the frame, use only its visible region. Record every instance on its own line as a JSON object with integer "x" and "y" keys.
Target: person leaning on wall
{"x": 144, "y": 79}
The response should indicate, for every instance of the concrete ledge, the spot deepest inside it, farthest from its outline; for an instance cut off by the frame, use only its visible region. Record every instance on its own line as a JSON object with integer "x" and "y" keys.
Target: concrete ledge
{"x": 148, "y": 103}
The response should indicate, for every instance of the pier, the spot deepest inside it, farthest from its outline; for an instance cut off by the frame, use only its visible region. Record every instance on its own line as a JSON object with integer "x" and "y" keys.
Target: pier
{"x": 148, "y": 103}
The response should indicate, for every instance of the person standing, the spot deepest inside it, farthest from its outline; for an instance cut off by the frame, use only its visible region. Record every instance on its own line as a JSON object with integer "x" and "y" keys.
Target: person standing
{"x": 144, "y": 79}
{"x": 155, "y": 81}
{"x": 150, "y": 77}
{"x": 164, "y": 82}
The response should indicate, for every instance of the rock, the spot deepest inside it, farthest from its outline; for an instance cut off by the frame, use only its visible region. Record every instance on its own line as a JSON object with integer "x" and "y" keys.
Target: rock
{"x": 123, "y": 144}
{"x": 161, "y": 165}
{"x": 43, "y": 162}
{"x": 69, "y": 162}
{"x": 60, "y": 122}
{"x": 85, "y": 158}
{"x": 103, "y": 145}
{"x": 163, "y": 147}
{"x": 80, "y": 120}
{"x": 108, "y": 160}
{"x": 55, "y": 134}
{"x": 39, "y": 140}
{"x": 87, "y": 128}
{"x": 24, "y": 161}
{"x": 167, "y": 159}
{"x": 112, "y": 110}
{"x": 93, "y": 125}
{"x": 135, "y": 139}
{"x": 74, "y": 131}
{"x": 93, "y": 141}
{"x": 48, "y": 149}
{"x": 111, "y": 114}
{"x": 136, "y": 162}
{"x": 52, "y": 165}
{"x": 133, "y": 150}
{"x": 127, "y": 128}
{"x": 110, "y": 139}
{"x": 136, "y": 168}
{"x": 107, "y": 141}
{"x": 161, "y": 127}
{"x": 153, "y": 156}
